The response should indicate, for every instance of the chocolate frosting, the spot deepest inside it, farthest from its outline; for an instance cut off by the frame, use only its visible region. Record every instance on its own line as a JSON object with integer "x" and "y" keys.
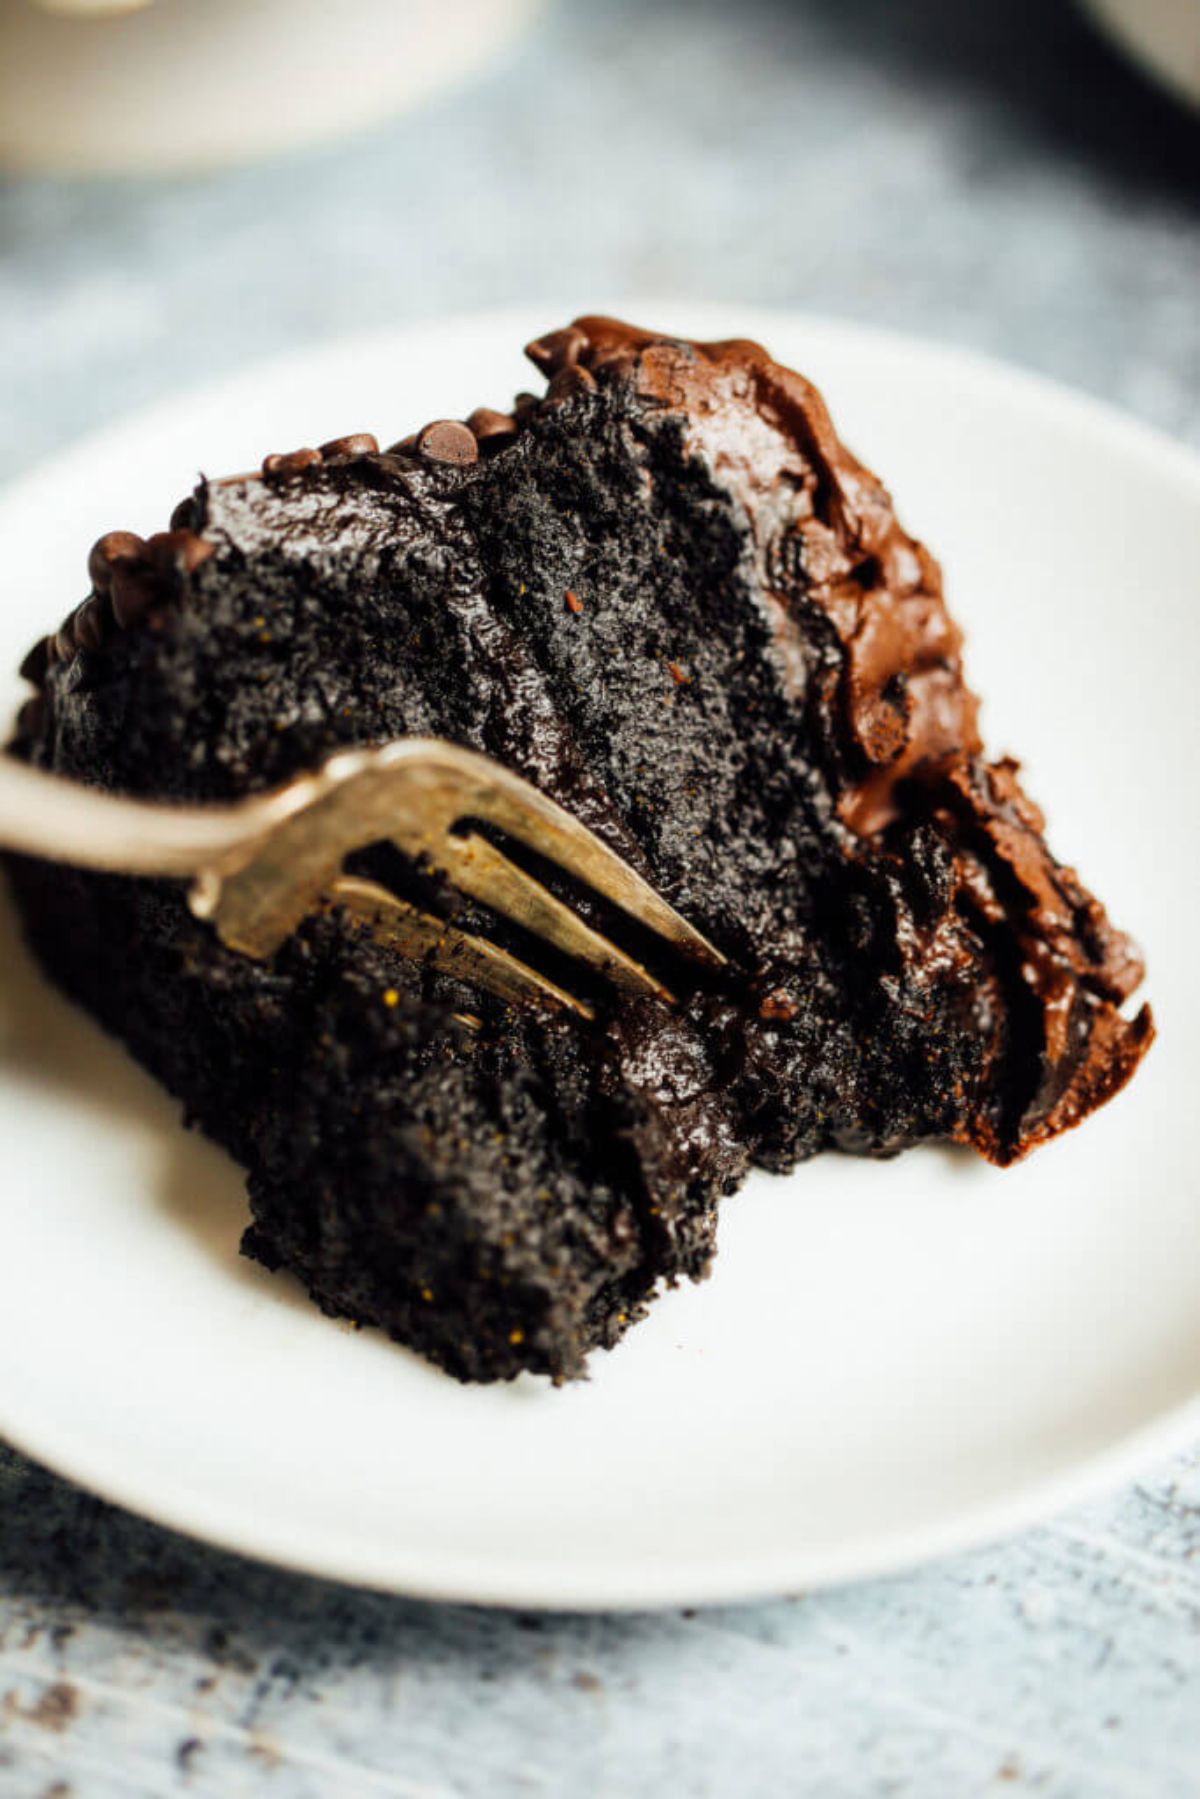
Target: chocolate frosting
{"x": 830, "y": 547}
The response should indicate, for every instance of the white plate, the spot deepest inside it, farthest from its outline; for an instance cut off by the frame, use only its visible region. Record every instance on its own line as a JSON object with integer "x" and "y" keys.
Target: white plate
{"x": 891, "y": 1360}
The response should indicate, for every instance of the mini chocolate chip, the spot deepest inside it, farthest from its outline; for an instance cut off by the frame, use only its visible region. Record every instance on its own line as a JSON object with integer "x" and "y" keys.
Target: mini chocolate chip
{"x": 109, "y": 549}
{"x": 91, "y": 621}
{"x": 558, "y": 349}
{"x": 32, "y": 717}
{"x": 405, "y": 446}
{"x": 134, "y": 591}
{"x": 492, "y": 429}
{"x": 448, "y": 440}
{"x": 617, "y": 365}
{"x": 292, "y": 463}
{"x": 569, "y": 381}
{"x": 171, "y": 550}
{"x": 184, "y": 517}
{"x": 359, "y": 443}
{"x": 33, "y": 669}
{"x": 524, "y": 405}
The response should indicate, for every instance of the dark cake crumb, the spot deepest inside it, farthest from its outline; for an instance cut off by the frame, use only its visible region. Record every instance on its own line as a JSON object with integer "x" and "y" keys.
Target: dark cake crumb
{"x": 758, "y": 701}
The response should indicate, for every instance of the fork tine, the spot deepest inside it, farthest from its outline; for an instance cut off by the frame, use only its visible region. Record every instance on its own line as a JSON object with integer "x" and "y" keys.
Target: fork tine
{"x": 415, "y": 791}
{"x": 495, "y": 794}
{"x": 422, "y": 937}
{"x": 479, "y": 869}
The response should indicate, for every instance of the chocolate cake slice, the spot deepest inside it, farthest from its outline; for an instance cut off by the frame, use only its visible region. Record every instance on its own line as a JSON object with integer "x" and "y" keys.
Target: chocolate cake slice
{"x": 668, "y": 595}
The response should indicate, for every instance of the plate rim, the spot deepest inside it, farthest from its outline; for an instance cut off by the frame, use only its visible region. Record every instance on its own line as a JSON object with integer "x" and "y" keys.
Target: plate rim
{"x": 543, "y": 1586}
{"x": 1114, "y": 422}
{"x": 611, "y": 1586}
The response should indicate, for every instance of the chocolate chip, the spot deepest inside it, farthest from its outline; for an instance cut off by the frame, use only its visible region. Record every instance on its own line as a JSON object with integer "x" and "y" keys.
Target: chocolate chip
{"x": 524, "y": 406}
{"x": 32, "y": 717}
{"x": 570, "y": 381}
{"x": 293, "y": 463}
{"x": 558, "y": 349}
{"x": 134, "y": 591}
{"x": 186, "y": 515}
{"x": 448, "y": 440}
{"x": 33, "y": 669}
{"x": 91, "y": 622}
{"x": 405, "y": 446}
{"x": 359, "y": 443}
{"x": 492, "y": 429}
{"x": 107, "y": 550}
{"x": 168, "y": 551}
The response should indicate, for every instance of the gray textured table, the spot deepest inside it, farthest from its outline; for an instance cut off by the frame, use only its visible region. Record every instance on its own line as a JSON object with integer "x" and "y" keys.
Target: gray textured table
{"x": 987, "y": 174}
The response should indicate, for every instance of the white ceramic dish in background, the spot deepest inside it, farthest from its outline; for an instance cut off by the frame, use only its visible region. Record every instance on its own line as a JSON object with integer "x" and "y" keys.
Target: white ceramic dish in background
{"x": 1162, "y": 35}
{"x": 891, "y": 1360}
{"x": 105, "y": 87}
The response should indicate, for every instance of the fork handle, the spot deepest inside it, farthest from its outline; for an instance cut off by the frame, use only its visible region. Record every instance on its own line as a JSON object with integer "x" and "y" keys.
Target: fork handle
{"x": 64, "y": 821}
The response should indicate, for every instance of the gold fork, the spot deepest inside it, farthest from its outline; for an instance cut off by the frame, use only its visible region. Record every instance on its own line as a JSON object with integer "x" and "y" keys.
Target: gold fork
{"x": 260, "y": 866}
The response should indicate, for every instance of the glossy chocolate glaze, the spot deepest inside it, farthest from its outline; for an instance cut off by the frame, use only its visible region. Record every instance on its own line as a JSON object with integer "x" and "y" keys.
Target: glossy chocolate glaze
{"x": 827, "y": 537}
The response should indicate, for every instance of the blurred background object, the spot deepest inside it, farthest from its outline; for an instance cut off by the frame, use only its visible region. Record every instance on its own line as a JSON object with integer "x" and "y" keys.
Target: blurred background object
{"x": 991, "y": 173}
{"x": 91, "y": 85}
{"x": 1162, "y": 35}
{"x": 995, "y": 175}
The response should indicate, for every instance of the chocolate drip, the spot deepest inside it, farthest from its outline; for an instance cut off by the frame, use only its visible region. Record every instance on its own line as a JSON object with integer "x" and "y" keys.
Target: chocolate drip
{"x": 829, "y": 544}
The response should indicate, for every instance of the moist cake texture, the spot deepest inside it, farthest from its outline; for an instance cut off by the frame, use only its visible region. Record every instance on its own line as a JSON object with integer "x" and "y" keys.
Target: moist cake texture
{"x": 668, "y": 595}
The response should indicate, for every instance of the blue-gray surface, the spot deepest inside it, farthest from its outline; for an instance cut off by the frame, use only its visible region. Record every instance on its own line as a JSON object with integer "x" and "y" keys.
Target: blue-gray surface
{"x": 983, "y": 173}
